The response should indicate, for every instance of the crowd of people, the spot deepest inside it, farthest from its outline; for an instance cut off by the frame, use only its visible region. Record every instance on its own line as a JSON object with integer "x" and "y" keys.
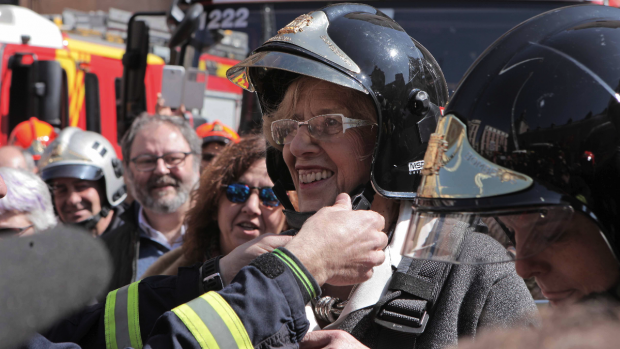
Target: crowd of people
{"x": 363, "y": 215}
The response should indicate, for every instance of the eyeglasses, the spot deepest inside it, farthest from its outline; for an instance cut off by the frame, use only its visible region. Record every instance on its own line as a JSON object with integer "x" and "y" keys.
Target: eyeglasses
{"x": 321, "y": 127}
{"x": 8, "y": 232}
{"x": 239, "y": 193}
{"x": 147, "y": 163}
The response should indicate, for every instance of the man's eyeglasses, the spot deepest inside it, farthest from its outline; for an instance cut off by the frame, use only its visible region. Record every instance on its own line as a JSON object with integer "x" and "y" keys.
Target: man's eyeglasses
{"x": 147, "y": 163}
{"x": 321, "y": 127}
{"x": 8, "y": 232}
{"x": 239, "y": 193}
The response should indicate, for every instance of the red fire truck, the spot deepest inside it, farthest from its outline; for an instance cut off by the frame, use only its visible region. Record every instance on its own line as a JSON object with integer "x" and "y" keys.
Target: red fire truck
{"x": 61, "y": 80}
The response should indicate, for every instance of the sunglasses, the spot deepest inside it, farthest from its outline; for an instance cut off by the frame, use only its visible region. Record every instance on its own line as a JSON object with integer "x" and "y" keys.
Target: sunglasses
{"x": 239, "y": 193}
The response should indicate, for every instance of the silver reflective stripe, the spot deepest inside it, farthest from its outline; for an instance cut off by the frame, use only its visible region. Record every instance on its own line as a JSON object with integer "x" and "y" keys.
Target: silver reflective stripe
{"x": 216, "y": 325}
{"x": 122, "y": 322}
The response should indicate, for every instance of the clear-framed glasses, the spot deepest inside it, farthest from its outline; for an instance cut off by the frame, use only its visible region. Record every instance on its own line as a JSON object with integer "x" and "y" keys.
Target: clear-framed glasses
{"x": 147, "y": 163}
{"x": 321, "y": 127}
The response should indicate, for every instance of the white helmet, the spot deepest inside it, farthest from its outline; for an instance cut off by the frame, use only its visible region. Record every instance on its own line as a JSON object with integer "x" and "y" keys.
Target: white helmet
{"x": 76, "y": 153}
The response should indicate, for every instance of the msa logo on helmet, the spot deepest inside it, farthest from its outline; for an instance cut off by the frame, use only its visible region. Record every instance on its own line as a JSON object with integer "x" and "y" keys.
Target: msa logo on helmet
{"x": 415, "y": 167}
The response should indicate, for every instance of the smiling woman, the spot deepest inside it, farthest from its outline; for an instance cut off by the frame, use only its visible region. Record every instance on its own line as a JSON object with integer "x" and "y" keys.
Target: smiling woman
{"x": 234, "y": 204}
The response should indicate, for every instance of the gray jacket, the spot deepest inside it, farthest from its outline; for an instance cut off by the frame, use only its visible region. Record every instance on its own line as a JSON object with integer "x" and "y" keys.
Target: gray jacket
{"x": 473, "y": 297}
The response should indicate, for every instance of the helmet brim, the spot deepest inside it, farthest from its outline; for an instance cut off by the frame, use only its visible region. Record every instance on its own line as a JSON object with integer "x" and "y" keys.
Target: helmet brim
{"x": 239, "y": 74}
{"x": 78, "y": 171}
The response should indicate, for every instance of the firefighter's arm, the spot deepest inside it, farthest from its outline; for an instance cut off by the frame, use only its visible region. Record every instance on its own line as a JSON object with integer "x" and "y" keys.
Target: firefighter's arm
{"x": 264, "y": 306}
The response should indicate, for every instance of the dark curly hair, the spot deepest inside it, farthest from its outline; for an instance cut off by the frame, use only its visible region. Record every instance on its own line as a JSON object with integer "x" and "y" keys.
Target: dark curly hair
{"x": 202, "y": 239}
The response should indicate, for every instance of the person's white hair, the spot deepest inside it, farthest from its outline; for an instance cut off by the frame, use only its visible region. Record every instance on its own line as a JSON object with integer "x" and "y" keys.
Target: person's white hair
{"x": 28, "y": 194}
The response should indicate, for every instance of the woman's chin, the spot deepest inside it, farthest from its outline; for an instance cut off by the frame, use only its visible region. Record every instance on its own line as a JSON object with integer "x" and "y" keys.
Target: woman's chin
{"x": 314, "y": 204}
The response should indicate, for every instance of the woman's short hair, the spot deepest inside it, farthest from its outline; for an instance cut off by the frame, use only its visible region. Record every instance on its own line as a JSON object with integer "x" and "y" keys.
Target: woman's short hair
{"x": 28, "y": 194}
{"x": 201, "y": 240}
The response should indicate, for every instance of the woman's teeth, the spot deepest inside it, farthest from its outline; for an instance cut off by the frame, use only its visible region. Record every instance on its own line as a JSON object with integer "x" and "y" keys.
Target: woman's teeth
{"x": 309, "y": 176}
{"x": 249, "y": 226}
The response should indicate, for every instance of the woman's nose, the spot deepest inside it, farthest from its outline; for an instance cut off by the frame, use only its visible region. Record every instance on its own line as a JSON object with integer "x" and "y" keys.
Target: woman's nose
{"x": 252, "y": 205}
{"x": 531, "y": 266}
{"x": 303, "y": 144}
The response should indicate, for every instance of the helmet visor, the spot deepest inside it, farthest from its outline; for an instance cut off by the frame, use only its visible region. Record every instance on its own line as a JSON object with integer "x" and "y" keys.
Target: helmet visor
{"x": 239, "y": 74}
{"x": 519, "y": 234}
{"x": 79, "y": 171}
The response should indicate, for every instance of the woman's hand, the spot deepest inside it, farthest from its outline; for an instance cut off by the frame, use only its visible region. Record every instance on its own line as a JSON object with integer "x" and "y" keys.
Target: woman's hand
{"x": 329, "y": 339}
{"x": 244, "y": 254}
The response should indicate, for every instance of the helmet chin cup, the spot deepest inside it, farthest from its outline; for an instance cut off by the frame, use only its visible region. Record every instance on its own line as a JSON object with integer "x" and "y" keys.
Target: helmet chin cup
{"x": 362, "y": 197}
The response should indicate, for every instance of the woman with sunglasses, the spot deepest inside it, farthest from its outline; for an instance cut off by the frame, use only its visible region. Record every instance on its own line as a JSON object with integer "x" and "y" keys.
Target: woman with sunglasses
{"x": 234, "y": 204}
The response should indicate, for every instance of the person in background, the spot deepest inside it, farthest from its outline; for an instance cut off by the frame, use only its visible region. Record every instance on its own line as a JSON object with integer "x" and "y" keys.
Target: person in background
{"x": 17, "y": 157}
{"x": 86, "y": 180}
{"x": 234, "y": 204}
{"x": 27, "y": 207}
{"x": 160, "y": 157}
{"x": 215, "y": 136}
{"x": 33, "y": 135}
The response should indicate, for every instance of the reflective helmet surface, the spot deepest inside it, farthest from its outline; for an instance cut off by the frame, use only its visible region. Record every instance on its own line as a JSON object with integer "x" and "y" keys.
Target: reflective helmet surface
{"x": 33, "y": 135}
{"x": 358, "y": 47}
{"x": 85, "y": 155}
{"x": 217, "y": 132}
{"x": 535, "y": 123}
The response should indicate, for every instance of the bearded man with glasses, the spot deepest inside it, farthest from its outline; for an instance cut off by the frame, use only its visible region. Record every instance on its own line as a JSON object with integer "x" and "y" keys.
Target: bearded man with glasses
{"x": 160, "y": 157}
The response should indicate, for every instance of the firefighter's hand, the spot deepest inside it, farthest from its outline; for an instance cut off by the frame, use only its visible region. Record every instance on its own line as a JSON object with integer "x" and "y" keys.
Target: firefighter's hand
{"x": 330, "y": 339}
{"x": 340, "y": 246}
{"x": 244, "y": 254}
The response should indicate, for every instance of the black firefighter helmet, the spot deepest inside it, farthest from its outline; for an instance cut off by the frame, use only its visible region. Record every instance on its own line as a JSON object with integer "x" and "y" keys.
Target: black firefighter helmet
{"x": 358, "y": 47}
{"x": 531, "y": 136}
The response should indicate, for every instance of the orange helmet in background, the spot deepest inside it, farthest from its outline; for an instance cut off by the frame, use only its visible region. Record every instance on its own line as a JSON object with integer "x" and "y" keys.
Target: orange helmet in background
{"x": 33, "y": 135}
{"x": 217, "y": 132}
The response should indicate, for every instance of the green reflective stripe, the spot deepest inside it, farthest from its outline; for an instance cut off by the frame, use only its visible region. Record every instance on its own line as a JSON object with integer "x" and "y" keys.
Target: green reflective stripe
{"x": 133, "y": 314}
{"x": 297, "y": 271}
{"x": 122, "y": 324}
{"x": 110, "y": 328}
{"x": 213, "y": 323}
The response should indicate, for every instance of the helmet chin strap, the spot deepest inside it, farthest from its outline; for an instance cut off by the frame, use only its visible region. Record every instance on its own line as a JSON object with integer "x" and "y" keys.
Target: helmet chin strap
{"x": 361, "y": 199}
{"x": 90, "y": 223}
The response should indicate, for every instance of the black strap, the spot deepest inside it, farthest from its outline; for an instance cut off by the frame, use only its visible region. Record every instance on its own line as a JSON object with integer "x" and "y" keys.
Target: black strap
{"x": 404, "y": 311}
{"x": 280, "y": 190}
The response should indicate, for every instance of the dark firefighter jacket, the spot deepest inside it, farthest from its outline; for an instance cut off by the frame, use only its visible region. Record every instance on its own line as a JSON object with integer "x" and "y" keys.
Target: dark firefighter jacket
{"x": 263, "y": 305}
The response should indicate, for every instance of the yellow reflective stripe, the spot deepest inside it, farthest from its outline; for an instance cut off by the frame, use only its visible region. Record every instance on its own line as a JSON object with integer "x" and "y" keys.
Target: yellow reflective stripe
{"x": 230, "y": 318}
{"x": 133, "y": 315}
{"x": 196, "y": 326}
{"x": 297, "y": 271}
{"x": 110, "y": 326}
{"x": 212, "y": 320}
